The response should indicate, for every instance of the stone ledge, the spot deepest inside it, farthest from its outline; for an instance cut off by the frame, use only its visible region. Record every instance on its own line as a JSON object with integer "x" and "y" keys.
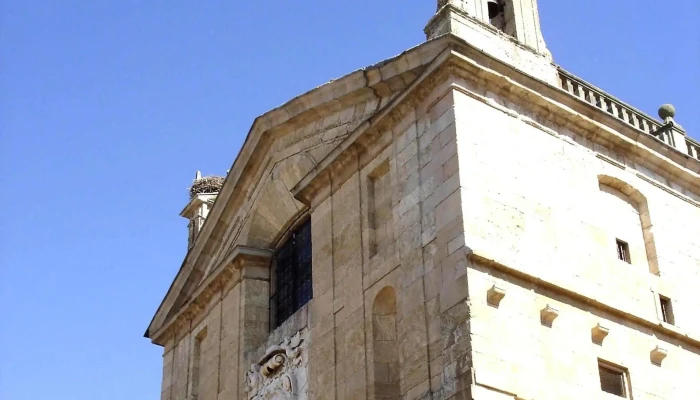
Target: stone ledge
{"x": 491, "y": 261}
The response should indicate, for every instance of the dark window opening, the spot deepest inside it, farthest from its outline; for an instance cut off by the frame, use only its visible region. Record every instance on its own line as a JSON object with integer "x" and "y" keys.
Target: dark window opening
{"x": 292, "y": 275}
{"x": 623, "y": 251}
{"x": 497, "y": 14}
{"x": 666, "y": 310}
{"x": 612, "y": 380}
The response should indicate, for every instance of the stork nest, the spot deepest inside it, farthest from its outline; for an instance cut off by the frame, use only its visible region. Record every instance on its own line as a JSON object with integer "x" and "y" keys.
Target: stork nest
{"x": 208, "y": 184}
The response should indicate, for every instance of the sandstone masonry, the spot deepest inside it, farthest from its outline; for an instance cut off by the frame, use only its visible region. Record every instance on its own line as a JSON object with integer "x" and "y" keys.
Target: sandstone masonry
{"x": 484, "y": 225}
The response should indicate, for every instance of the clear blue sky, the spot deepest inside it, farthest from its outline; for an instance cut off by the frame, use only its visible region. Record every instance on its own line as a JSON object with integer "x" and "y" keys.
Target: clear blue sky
{"x": 107, "y": 108}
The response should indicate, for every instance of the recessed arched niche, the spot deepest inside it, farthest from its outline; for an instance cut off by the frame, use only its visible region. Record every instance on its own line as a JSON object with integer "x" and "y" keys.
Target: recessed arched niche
{"x": 385, "y": 346}
{"x": 629, "y": 216}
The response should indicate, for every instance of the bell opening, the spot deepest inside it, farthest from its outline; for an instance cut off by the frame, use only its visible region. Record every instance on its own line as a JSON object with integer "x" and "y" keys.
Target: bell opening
{"x": 495, "y": 8}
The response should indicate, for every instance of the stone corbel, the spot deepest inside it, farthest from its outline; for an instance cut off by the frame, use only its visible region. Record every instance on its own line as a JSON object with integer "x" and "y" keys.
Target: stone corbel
{"x": 599, "y": 333}
{"x": 658, "y": 355}
{"x": 548, "y": 315}
{"x": 495, "y": 295}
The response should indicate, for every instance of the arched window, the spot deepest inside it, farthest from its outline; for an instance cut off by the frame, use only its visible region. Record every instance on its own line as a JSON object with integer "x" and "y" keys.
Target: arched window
{"x": 291, "y": 276}
{"x": 385, "y": 346}
{"x": 626, "y": 215}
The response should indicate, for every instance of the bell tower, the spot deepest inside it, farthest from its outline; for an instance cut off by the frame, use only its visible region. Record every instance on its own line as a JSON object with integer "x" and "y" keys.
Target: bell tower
{"x": 203, "y": 193}
{"x": 508, "y": 30}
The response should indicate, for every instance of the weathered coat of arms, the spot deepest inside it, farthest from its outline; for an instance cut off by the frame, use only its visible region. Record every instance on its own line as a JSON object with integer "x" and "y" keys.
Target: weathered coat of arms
{"x": 281, "y": 372}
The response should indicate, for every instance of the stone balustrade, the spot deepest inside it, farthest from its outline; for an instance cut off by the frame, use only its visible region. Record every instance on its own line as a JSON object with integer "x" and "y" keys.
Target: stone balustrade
{"x": 693, "y": 147}
{"x": 663, "y": 131}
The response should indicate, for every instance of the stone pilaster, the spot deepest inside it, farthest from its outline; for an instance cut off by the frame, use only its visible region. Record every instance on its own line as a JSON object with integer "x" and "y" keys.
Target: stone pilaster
{"x": 254, "y": 317}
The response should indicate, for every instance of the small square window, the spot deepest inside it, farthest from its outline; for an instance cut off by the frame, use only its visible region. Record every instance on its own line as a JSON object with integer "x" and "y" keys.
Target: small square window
{"x": 667, "y": 310}
{"x": 623, "y": 251}
{"x": 612, "y": 380}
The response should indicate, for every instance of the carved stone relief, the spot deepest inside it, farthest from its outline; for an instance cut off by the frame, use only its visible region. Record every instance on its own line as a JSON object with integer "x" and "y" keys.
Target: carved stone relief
{"x": 281, "y": 373}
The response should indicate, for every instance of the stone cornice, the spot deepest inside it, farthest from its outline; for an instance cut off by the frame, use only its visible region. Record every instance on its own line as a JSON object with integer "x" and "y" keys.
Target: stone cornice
{"x": 551, "y": 104}
{"x": 660, "y": 328}
{"x": 643, "y": 148}
{"x": 219, "y": 281}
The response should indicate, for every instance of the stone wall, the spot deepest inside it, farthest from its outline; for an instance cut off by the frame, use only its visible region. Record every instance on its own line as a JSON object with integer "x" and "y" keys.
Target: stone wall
{"x": 542, "y": 213}
{"x": 376, "y": 318}
{"x": 208, "y": 360}
{"x": 485, "y": 197}
{"x": 468, "y": 251}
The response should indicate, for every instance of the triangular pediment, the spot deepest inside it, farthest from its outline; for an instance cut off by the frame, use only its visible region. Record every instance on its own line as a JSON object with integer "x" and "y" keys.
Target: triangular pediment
{"x": 256, "y": 204}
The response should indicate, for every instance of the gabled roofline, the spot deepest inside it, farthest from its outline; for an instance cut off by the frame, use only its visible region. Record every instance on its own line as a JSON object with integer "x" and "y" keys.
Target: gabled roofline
{"x": 371, "y": 78}
{"x": 227, "y": 271}
{"x": 318, "y": 100}
{"x": 301, "y": 191}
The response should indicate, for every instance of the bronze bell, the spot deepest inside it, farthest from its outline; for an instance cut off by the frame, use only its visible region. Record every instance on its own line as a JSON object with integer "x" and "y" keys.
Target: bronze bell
{"x": 495, "y": 8}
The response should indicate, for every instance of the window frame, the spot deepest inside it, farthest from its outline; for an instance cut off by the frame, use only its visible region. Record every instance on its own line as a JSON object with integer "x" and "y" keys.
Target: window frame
{"x": 623, "y": 251}
{"x": 617, "y": 370}
{"x": 293, "y": 259}
{"x": 666, "y": 308}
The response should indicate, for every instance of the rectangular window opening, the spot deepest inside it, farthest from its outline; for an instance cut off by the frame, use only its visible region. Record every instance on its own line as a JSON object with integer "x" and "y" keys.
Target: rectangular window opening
{"x": 623, "y": 251}
{"x": 613, "y": 380}
{"x": 372, "y": 217}
{"x": 292, "y": 276}
{"x": 197, "y": 363}
{"x": 667, "y": 310}
{"x": 379, "y": 208}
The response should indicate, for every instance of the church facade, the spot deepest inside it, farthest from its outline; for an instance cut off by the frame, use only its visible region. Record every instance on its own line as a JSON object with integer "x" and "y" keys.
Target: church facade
{"x": 466, "y": 220}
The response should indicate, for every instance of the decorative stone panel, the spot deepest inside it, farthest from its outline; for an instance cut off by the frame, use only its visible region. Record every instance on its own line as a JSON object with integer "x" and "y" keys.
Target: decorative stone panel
{"x": 281, "y": 374}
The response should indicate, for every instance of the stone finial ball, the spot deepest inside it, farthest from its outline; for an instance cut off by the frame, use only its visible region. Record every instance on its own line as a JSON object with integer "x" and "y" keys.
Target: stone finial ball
{"x": 667, "y": 111}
